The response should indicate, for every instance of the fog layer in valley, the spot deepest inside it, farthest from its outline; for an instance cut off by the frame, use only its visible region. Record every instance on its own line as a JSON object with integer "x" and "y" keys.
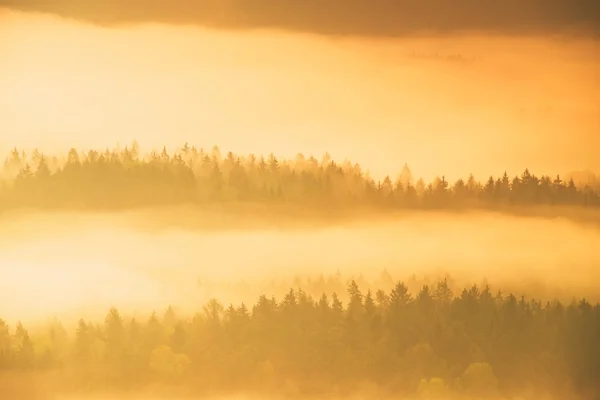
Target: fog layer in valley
{"x": 69, "y": 264}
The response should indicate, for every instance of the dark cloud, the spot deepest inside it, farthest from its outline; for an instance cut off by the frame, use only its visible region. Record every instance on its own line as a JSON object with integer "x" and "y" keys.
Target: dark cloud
{"x": 340, "y": 17}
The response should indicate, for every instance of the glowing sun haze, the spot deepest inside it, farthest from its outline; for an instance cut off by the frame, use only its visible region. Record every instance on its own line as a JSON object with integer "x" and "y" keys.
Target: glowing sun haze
{"x": 503, "y": 104}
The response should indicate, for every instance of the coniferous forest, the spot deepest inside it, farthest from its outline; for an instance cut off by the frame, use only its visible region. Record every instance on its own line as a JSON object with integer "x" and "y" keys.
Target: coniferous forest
{"x": 117, "y": 179}
{"x": 432, "y": 344}
{"x": 436, "y": 342}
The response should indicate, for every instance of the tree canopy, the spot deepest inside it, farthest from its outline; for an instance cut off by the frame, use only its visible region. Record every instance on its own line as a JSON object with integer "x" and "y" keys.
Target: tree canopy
{"x": 432, "y": 344}
{"x": 124, "y": 179}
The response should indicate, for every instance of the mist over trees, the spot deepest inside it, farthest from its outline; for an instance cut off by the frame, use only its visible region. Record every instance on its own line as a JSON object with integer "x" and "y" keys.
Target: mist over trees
{"x": 125, "y": 179}
{"x": 434, "y": 342}
{"x": 430, "y": 344}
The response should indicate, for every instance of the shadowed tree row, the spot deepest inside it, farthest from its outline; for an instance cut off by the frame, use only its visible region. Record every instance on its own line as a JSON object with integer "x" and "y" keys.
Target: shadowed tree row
{"x": 432, "y": 344}
{"x": 124, "y": 179}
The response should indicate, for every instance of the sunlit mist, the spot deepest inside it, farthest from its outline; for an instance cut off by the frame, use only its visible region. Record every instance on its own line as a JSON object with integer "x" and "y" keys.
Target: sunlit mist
{"x": 299, "y": 200}
{"x": 145, "y": 269}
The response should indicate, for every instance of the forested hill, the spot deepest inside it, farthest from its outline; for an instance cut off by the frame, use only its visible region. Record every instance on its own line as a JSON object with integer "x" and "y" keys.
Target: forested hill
{"x": 125, "y": 179}
{"x": 431, "y": 344}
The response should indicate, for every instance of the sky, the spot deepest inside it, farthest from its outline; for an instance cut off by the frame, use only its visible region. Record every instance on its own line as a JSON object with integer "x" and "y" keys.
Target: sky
{"x": 490, "y": 97}
{"x": 390, "y": 18}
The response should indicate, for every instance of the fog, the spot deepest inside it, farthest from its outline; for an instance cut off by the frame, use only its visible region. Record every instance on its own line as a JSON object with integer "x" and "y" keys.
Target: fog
{"x": 446, "y": 104}
{"x": 69, "y": 265}
{"x": 471, "y": 88}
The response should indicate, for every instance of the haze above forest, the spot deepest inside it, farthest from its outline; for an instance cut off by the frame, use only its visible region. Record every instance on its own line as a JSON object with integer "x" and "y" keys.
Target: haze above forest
{"x": 444, "y": 104}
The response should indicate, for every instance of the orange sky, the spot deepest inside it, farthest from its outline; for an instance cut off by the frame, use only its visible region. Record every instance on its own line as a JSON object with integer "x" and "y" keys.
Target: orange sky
{"x": 506, "y": 104}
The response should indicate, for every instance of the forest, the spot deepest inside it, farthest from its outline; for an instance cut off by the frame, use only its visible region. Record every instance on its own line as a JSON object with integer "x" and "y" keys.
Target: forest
{"x": 435, "y": 343}
{"x": 327, "y": 337}
{"x": 123, "y": 178}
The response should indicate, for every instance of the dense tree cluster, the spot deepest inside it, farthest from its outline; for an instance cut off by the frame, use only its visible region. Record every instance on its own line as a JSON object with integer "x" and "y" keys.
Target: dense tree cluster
{"x": 432, "y": 344}
{"x": 124, "y": 179}
{"x": 236, "y": 290}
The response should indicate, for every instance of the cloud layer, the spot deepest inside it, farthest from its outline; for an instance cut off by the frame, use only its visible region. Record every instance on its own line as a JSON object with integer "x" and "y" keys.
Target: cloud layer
{"x": 341, "y": 17}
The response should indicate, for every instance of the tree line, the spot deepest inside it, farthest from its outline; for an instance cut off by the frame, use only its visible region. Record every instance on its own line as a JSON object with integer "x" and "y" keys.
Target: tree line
{"x": 122, "y": 178}
{"x": 431, "y": 344}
